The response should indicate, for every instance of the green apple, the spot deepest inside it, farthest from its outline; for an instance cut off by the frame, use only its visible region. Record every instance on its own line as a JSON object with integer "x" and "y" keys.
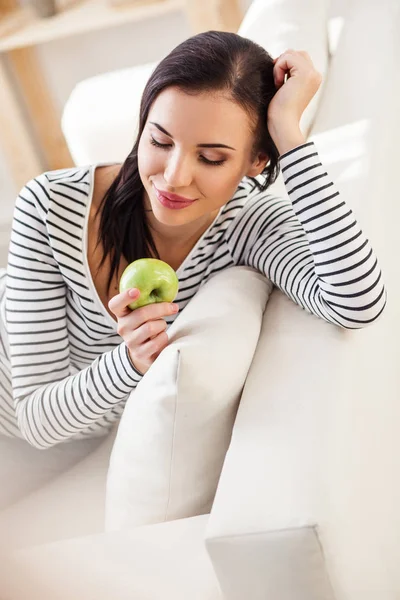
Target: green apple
{"x": 156, "y": 280}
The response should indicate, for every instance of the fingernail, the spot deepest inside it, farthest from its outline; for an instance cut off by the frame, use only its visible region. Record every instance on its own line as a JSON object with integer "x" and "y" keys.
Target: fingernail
{"x": 175, "y": 307}
{"x": 133, "y": 292}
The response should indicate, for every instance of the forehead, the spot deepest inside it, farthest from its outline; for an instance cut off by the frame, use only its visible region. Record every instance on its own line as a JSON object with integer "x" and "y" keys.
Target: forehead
{"x": 205, "y": 117}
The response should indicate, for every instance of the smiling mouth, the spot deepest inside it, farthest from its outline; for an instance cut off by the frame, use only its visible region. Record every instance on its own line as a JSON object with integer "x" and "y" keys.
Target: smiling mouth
{"x": 173, "y": 197}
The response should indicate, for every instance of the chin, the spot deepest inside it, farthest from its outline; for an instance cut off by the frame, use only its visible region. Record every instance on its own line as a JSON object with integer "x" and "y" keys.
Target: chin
{"x": 171, "y": 217}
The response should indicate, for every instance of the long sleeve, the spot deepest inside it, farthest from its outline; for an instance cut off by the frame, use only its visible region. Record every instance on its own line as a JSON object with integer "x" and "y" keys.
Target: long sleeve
{"x": 52, "y": 401}
{"x": 311, "y": 246}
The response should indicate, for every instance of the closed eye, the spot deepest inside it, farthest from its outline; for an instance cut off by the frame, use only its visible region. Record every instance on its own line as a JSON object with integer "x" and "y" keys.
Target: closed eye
{"x": 202, "y": 158}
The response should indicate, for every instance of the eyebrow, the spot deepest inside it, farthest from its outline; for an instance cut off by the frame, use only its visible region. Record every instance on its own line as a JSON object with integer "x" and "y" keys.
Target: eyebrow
{"x": 198, "y": 145}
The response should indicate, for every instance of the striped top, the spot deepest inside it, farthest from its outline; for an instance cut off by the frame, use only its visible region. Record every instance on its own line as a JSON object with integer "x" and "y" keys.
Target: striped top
{"x": 65, "y": 371}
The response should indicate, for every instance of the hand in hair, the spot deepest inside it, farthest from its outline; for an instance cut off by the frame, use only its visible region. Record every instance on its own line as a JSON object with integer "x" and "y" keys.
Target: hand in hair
{"x": 294, "y": 93}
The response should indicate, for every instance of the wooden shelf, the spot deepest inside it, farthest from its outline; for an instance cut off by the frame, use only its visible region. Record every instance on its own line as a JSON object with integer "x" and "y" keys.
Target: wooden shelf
{"x": 86, "y": 16}
{"x": 14, "y": 20}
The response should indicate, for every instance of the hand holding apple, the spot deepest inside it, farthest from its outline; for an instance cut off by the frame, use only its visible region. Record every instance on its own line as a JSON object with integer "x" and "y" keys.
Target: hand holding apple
{"x": 155, "y": 279}
{"x": 141, "y": 307}
{"x": 143, "y": 330}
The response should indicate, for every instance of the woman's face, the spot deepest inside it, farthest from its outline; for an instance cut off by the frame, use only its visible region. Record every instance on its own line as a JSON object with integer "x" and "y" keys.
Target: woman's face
{"x": 197, "y": 147}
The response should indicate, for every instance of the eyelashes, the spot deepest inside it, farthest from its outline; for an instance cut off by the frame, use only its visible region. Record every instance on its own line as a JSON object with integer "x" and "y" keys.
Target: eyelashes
{"x": 214, "y": 163}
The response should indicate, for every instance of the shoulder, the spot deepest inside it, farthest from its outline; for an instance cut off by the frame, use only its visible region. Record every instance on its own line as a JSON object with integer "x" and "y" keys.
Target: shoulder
{"x": 64, "y": 191}
{"x": 257, "y": 210}
{"x": 66, "y": 186}
{"x": 254, "y": 200}
{"x": 103, "y": 177}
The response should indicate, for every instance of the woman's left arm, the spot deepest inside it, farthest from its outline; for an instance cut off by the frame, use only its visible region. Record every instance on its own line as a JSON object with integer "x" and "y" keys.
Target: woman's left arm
{"x": 310, "y": 246}
{"x": 315, "y": 250}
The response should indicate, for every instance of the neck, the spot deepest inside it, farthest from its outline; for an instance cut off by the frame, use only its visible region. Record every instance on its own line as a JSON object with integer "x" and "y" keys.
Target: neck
{"x": 182, "y": 236}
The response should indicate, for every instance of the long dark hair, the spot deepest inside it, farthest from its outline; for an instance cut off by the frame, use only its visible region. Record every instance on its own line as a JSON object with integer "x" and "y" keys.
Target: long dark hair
{"x": 210, "y": 61}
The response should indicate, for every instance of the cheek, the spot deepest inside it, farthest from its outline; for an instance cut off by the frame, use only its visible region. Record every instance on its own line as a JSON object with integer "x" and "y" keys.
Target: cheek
{"x": 222, "y": 181}
{"x": 149, "y": 163}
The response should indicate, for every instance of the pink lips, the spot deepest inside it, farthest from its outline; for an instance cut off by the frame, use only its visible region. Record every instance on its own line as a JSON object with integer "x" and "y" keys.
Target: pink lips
{"x": 172, "y": 200}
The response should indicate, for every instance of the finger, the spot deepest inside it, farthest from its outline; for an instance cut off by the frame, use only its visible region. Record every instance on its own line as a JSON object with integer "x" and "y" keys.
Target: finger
{"x": 283, "y": 67}
{"x": 152, "y": 312}
{"x": 148, "y": 331}
{"x": 119, "y": 303}
{"x": 155, "y": 346}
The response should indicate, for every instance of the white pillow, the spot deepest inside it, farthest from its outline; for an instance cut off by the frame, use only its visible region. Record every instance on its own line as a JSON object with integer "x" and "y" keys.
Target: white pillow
{"x": 105, "y": 107}
{"x": 176, "y": 426}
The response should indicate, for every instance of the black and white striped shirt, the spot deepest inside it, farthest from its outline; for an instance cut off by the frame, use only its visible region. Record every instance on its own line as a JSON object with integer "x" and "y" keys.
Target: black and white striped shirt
{"x": 65, "y": 371}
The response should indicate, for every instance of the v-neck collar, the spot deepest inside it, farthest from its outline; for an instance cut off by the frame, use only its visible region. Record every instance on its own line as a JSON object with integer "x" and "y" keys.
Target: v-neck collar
{"x": 113, "y": 324}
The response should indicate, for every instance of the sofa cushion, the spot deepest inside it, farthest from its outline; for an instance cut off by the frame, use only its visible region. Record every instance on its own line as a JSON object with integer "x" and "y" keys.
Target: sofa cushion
{"x": 71, "y": 504}
{"x": 105, "y": 107}
{"x": 177, "y": 424}
{"x": 167, "y": 561}
{"x": 24, "y": 469}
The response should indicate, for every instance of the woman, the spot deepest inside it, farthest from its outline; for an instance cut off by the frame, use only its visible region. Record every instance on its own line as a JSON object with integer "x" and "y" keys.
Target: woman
{"x": 217, "y": 121}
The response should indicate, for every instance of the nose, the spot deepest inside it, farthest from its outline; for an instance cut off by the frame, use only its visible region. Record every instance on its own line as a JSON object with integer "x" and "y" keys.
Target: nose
{"x": 178, "y": 171}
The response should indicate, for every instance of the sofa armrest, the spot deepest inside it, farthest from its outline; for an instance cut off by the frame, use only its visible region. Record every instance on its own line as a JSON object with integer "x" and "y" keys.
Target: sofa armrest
{"x": 265, "y": 515}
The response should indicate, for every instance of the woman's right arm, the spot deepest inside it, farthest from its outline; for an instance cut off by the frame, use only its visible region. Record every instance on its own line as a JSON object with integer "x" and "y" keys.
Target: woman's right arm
{"x": 51, "y": 404}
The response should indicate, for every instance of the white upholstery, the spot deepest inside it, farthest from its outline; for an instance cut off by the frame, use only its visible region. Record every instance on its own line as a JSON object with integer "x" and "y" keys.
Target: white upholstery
{"x": 278, "y": 26}
{"x": 307, "y": 502}
{"x": 24, "y": 469}
{"x": 92, "y": 136}
{"x": 177, "y": 424}
{"x": 318, "y": 442}
{"x": 145, "y": 563}
{"x": 277, "y": 450}
{"x": 69, "y": 505}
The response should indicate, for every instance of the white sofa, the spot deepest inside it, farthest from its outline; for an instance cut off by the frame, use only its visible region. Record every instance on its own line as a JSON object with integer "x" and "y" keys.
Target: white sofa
{"x": 307, "y": 502}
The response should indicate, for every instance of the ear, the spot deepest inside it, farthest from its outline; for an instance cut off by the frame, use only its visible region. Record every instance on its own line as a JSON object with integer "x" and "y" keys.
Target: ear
{"x": 258, "y": 165}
